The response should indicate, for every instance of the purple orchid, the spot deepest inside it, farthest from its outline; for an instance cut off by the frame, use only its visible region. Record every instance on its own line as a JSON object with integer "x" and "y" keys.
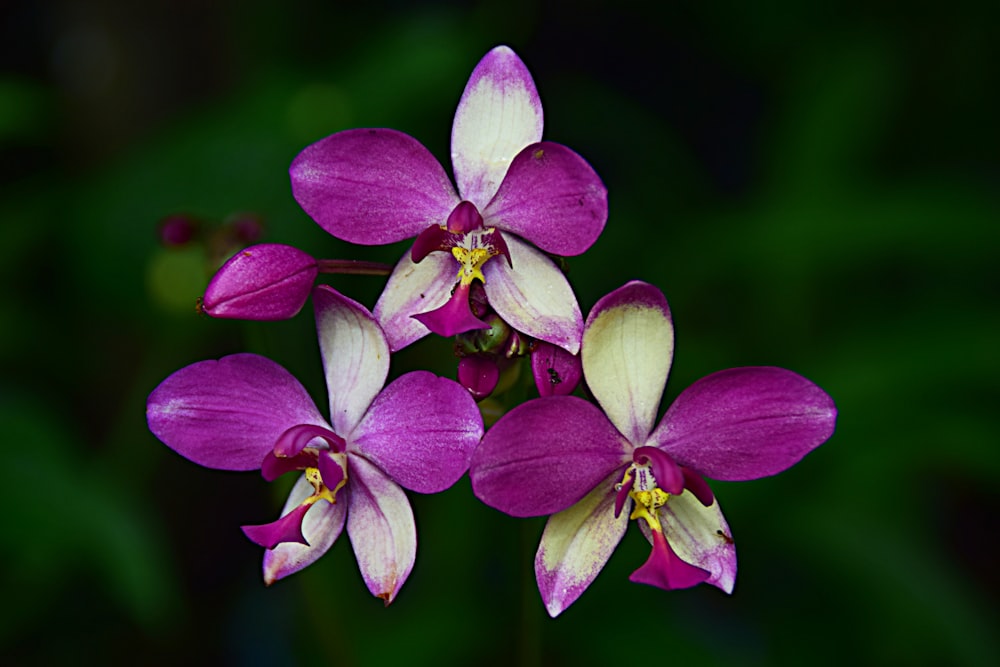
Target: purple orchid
{"x": 517, "y": 197}
{"x": 246, "y": 412}
{"x": 564, "y": 456}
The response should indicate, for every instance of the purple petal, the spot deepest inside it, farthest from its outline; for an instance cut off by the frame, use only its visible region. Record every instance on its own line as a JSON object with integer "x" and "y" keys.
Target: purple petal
{"x": 371, "y": 187}
{"x": 699, "y": 535}
{"x": 421, "y": 430}
{"x": 498, "y": 115}
{"x": 286, "y": 529}
{"x": 666, "y": 570}
{"x": 628, "y": 345}
{"x": 746, "y": 423}
{"x": 479, "y": 375}
{"x": 454, "y": 316}
{"x": 545, "y": 455}
{"x": 534, "y": 296}
{"x": 262, "y": 282}
{"x": 320, "y": 528}
{"x": 551, "y": 197}
{"x": 414, "y": 288}
{"x": 556, "y": 371}
{"x": 228, "y": 413}
{"x": 355, "y": 356}
{"x": 667, "y": 474}
{"x": 575, "y": 546}
{"x": 698, "y": 487}
{"x": 295, "y": 439}
{"x": 380, "y": 525}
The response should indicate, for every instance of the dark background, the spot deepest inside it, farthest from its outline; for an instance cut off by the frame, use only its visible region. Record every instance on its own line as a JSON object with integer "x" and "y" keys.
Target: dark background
{"x": 811, "y": 188}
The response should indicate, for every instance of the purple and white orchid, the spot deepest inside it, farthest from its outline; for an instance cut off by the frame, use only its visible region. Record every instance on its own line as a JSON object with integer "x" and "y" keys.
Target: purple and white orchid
{"x": 517, "y": 197}
{"x": 246, "y": 412}
{"x": 564, "y": 456}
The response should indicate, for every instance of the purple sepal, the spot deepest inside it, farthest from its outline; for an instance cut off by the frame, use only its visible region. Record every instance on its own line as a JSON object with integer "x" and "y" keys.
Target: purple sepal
{"x": 556, "y": 371}
{"x": 263, "y": 282}
{"x": 664, "y": 569}
{"x": 227, "y": 414}
{"x": 545, "y": 455}
{"x": 454, "y": 317}
{"x": 371, "y": 186}
{"x": 286, "y": 529}
{"x": 478, "y": 374}
{"x": 421, "y": 431}
{"x": 295, "y": 439}
{"x": 746, "y": 423}
{"x": 434, "y": 238}
{"x": 551, "y": 197}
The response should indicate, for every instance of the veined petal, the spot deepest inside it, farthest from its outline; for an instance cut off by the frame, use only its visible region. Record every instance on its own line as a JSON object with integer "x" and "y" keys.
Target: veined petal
{"x": 575, "y": 546}
{"x": 551, "y": 197}
{"x": 355, "y": 356}
{"x": 321, "y": 527}
{"x": 269, "y": 281}
{"x": 371, "y": 186}
{"x": 228, "y": 413}
{"x": 545, "y": 455}
{"x": 499, "y": 114}
{"x": 380, "y": 525}
{"x": 746, "y": 423}
{"x": 533, "y": 296}
{"x": 700, "y": 536}
{"x": 628, "y": 346}
{"x": 421, "y": 431}
{"x": 414, "y": 288}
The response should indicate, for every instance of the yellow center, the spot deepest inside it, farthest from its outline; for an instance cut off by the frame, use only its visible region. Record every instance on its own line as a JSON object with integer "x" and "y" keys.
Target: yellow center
{"x": 320, "y": 490}
{"x": 647, "y": 496}
{"x": 471, "y": 260}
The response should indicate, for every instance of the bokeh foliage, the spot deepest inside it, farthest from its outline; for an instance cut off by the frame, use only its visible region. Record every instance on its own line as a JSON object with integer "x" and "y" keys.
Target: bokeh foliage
{"x": 814, "y": 189}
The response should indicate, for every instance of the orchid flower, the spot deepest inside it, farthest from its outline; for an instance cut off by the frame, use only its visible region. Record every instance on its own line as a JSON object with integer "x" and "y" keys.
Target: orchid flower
{"x": 564, "y": 456}
{"x": 517, "y": 198}
{"x": 245, "y": 412}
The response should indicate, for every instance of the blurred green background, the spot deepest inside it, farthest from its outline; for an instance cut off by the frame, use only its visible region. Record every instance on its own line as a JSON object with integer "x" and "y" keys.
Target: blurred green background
{"x": 811, "y": 188}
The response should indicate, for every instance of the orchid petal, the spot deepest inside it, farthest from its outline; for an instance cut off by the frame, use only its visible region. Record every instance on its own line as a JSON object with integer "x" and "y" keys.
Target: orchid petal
{"x": 286, "y": 529}
{"x": 321, "y": 527}
{"x": 664, "y": 569}
{"x": 551, "y": 197}
{"x": 371, "y": 186}
{"x": 227, "y": 414}
{"x": 263, "y": 282}
{"x": 499, "y": 114}
{"x": 556, "y": 371}
{"x": 355, "y": 356}
{"x": 421, "y": 430}
{"x": 545, "y": 455}
{"x": 454, "y": 316}
{"x": 533, "y": 296}
{"x": 746, "y": 423}
{"x": 414, "y": 288}
{"x": 700, "y": 536}
{"x": 380, "y": 525}
{"x": 575, "y": 546}
{"x": 628, "y": 345}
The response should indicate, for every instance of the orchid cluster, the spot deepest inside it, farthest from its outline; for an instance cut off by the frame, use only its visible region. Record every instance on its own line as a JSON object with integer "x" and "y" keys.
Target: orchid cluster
{"x": 485, "y": 268}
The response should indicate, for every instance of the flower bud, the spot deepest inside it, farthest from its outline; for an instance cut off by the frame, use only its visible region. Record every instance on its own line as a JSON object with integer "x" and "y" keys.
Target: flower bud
{"x": 556, "y": 371}
{"x": 263, "y": 282}
{"x": 479, "y": 374}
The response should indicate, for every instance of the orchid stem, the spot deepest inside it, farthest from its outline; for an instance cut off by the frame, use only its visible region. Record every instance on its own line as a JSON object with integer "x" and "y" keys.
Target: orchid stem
{"x": 355, "y": 267}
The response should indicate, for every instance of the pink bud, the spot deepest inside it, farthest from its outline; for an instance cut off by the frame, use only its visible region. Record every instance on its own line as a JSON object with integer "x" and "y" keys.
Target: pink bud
{"x": 263, "y": 282}
{"x": 478, "y": 374}
{"x": 556, "y": 371}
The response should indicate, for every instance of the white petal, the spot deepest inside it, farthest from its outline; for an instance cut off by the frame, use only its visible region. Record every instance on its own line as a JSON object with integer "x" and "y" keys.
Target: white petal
{"x": 355, "y": 356}
{"x": 576, "y": 544}
{"x": 381, "y": 527}
{"x": 628, "y": 346}
{"x": 700, "y": 536}
{"x": 534, "y": 296}
{"x": 321, "y": 527}
{"x": 498, "y": 115}
{"x": 414, "y": 288}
